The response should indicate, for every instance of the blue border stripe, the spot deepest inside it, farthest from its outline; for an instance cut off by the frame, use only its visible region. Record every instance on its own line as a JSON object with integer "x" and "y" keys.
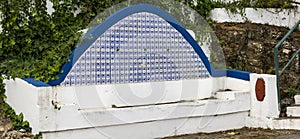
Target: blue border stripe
{"x": 218, "y": 73}
{"x": 35, "y": 82}
{"x": 243, "y": 75}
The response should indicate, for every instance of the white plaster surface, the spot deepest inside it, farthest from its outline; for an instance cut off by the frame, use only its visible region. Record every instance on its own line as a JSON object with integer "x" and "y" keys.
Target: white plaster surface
{"x": 222, "y": 83}
{"x": 156, "y": 129}
{"x": 133, "y": 94}
{"x": 297, "y": 99}
{"x": 58, "y": 111}
{"x": 271, "y": 123}
{"x": 63, "y": 119}
{"x": 268, "y": 108}
{"x": 236, "y": 84}
{"x": 271, "y": 16}
{"x": 289, "y": 123}
{"x": 114, "y": 117}
{"x": 78, "y": 114}
{"x": 259, "y": 122}
{"x": 78, "y": 118}
{"x": 266, "y": 114}
{"x": 293, "y": 111}
{"x": 23, "y": 97}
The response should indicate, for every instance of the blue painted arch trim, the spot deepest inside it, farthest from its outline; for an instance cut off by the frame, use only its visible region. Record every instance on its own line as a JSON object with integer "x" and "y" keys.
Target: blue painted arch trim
{"x": 113, "y": 19}
{"x": 243, "y": 75}
{"x": 36, "y": 83}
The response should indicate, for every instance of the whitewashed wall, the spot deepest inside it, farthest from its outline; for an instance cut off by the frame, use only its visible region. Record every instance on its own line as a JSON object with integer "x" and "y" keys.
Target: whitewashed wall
{"x": 52, "y": 110}
{"x": 271, "y": 16}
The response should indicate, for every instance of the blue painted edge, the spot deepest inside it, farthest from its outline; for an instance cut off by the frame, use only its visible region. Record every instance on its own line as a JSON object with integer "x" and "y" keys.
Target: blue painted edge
{"x": 113, "y": 19}
{"x": 218, "y": 73}
{"x": 35, "y": 82}
{"x": 243, "y": 75}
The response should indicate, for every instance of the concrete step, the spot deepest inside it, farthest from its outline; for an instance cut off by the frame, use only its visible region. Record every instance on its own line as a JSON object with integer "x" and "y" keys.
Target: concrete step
{"x": 293, "y": 111}
{"x": 297, "y": 99}
{"x": 232, "y": 95}
{"x": 287, "y": 123}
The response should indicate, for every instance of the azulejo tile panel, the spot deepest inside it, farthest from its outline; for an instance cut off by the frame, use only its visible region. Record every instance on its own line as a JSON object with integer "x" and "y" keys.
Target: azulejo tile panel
{"x": 142, "y": 47}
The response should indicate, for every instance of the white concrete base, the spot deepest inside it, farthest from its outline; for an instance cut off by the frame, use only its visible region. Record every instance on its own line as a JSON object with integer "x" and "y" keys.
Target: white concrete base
{"x": 70, "y": 117}
{"x": 207, "y": 111}
{"x": 293, "y": 111}
{"x": 297, "y": 99}
{"x": 256, "y": 122}
{"x": 60, "y": 112}
{"x": 270, "y": 123}
{"x": 288, "y": 123}
{"x": 268, "y": 108}
{"x": 151, "y": 121}
{"x": 156, "y": 129}
{"x": 271, "y": 16}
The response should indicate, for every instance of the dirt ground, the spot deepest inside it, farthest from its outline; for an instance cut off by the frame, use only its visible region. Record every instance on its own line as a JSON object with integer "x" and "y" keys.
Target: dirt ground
{"x": 244, "y": 133}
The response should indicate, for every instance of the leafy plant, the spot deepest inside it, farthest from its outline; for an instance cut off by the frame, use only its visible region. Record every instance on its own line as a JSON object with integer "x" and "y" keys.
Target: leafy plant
{"x": 35, "y": 43}
{"x": 38, "y": 136}
{"x": 8, "y": 112}
{"x": 292, "y": 92}
{"x": 240, "y": 5}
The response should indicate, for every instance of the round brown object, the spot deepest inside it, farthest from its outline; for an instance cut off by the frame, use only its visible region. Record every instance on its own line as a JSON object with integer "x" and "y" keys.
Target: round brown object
{"x": 260, "y": 89}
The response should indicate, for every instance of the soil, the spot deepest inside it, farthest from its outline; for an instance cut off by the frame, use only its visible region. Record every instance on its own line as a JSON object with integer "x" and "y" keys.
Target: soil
{"x": 244, "y": 133}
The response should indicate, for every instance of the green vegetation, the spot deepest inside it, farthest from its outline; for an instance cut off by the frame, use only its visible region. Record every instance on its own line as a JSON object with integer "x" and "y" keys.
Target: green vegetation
{"x": 34, "y": 43}
{"x": 240, "y": 5}
{"x": 38, "y": 136}
{"x": 292, "y": 92}
{"x": 8, "y": 112}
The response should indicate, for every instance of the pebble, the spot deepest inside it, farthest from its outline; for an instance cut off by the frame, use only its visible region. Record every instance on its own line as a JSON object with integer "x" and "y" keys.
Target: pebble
{"x": 6, "y": 127}
{"x": 16, "y": 135}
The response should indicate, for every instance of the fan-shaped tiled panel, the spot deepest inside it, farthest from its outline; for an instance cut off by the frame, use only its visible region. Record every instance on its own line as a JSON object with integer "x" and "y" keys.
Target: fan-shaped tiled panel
{"x": 142, "y": 47}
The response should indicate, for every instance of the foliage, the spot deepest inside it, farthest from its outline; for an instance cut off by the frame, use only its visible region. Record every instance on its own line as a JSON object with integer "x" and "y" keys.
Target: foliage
{"x": 240, "y": 5}
{"x": 240, "y": 63}
{"x": 35, "y": 43}
{"x": 203, "y": 7}
{"x": 8, "y": 112}
{"x": 38, "y": 136}
{"x": 292, "y": 92}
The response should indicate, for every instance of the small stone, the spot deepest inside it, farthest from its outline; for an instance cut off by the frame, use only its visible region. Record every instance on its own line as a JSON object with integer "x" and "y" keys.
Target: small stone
{"x": 286, "y": 51}
{"x": 6, "y": 127}
{"x": 2, "y": 128}
{"x": 22, "y": 130}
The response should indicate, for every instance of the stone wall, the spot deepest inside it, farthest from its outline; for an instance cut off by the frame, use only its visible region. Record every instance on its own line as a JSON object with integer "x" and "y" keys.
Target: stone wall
{"x": 250, "y": 47}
